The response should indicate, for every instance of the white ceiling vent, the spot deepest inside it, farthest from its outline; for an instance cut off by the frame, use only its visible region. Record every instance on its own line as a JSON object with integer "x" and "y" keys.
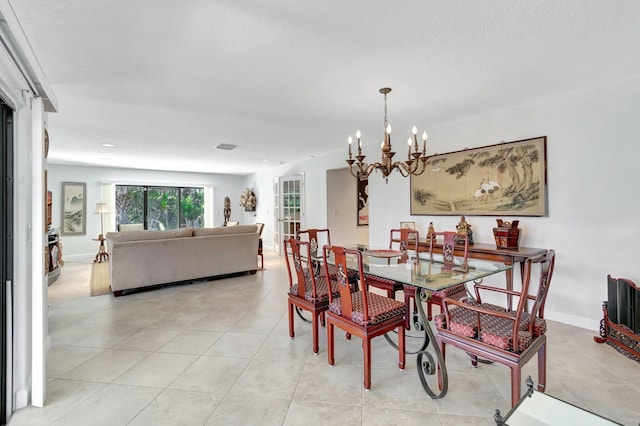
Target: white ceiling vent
{"x": 227, "y": 146}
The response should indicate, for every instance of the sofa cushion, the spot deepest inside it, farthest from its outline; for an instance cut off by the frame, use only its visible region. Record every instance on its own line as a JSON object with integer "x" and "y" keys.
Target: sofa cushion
{"x": 225, "y": 230}
{"x": 149, "y": 235}
{"x": 126, "y": 227}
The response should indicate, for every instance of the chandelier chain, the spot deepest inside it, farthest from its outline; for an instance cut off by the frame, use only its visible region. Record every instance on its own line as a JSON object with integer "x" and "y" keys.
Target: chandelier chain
{"x": 386, "y": 123}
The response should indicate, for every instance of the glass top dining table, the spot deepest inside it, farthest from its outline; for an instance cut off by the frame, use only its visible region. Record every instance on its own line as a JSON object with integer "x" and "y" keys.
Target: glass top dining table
{"x": 420, "y": 271}
{"x": 426, "y": 276}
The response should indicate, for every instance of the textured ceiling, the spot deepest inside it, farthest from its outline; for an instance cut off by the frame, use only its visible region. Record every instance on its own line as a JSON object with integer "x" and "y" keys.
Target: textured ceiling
{"x": 166, "y": 81}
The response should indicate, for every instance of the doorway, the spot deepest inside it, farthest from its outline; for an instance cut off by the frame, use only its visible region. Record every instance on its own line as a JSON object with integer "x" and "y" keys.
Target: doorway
{"x": 288, "y": 201}
{"x": 342, "y": 209}
{"x": 6, "y": 261}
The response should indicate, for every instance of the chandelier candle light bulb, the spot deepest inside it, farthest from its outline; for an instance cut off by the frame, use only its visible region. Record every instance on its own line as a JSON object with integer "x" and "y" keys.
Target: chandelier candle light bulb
{"x": 414, "y": 165}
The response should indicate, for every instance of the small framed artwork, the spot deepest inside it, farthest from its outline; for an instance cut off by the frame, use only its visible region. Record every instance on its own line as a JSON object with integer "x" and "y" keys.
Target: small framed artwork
{"x": 74, "y": 208}
{"x": 408, "y": 225}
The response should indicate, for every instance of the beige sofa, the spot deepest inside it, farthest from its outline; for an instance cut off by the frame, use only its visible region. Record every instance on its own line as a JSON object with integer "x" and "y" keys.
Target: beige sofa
{"x": 147, "y": 258}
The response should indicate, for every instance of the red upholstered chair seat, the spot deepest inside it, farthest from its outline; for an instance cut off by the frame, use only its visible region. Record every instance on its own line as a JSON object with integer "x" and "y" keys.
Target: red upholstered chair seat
{"x": 322, "y": 290}
{"x": 389, "y": 286}
{"x": 463, "y": 322}
{"x": 498, "y": 332}
{"x": 454, "y": 292}
{"x": 539, "y": 325}
{"x": 380, "y": 308}
{"x": 489, "y": 306}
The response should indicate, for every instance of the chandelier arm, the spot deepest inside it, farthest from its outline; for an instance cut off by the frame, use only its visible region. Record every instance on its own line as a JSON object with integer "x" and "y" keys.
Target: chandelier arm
{"x": 351, "y": 171}
{"x": 402, "y": 168}
{"x": 422, "y": 169}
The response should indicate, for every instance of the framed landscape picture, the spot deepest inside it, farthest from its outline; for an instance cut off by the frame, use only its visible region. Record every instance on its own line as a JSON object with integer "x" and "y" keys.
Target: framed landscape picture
{"x": 74, "y": 208}
{"x": 508, "y": 178}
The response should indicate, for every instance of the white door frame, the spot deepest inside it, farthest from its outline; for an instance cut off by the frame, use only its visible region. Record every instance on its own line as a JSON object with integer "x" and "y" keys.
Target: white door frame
{"x": 290, "y": 218}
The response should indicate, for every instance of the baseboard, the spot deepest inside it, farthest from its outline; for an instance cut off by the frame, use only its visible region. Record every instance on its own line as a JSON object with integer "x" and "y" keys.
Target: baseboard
{"x": 582, "y": 322}
{"x": 79, "y": 258}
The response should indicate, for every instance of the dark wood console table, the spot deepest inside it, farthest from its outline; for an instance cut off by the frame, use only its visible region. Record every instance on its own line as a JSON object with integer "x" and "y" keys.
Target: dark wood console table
{"x": 492, "y": 253}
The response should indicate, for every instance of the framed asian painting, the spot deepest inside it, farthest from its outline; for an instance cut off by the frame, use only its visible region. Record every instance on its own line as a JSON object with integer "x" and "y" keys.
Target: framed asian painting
{"x": 509, "y": 178}
{"x": 74, "y": 208}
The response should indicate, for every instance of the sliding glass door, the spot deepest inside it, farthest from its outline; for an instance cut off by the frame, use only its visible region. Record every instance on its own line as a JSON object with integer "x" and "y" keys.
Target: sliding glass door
{"x": 159, "y": 207}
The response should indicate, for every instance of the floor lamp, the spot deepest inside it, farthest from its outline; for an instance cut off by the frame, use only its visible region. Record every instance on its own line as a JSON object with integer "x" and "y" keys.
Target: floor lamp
{"x": 102, "y": 256}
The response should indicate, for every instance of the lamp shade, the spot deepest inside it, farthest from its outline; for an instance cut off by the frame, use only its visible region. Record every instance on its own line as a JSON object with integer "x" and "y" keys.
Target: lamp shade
{"x": 101, "y": 208}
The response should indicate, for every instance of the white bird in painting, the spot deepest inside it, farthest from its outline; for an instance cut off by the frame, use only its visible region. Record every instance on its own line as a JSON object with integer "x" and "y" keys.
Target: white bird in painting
{"x": 489, "y": 189}
{"x": 437, "y": 169}
{"x": 480, "y": 194}
{"x": 493, "y": 183}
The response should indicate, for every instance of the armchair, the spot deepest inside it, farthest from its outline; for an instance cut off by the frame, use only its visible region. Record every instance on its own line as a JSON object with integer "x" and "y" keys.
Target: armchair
{"x": 491, "y": 332}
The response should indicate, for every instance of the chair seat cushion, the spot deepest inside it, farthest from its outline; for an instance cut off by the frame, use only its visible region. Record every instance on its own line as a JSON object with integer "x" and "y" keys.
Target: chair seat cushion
{"x": 455, "y": 292}
{"x": 381, "y": 308}
{"x": 463, "y": 322}
{"x": 539, "y": 325}
{"x": 322, "y": 290}
{"x": 488, "y": 306}
{"x": 498, "y": 332}
{"x": 382, "y": 283}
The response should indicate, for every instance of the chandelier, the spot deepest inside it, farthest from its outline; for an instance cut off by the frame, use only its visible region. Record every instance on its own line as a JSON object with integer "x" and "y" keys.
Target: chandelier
{"x": 414, "y": 165}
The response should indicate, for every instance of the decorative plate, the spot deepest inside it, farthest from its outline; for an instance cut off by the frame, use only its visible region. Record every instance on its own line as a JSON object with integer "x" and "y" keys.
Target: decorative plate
{"x": 383, "y": 253}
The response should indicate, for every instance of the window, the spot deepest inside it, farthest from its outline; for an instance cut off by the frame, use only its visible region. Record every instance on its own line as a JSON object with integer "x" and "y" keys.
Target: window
{"x": 160, "y": 207}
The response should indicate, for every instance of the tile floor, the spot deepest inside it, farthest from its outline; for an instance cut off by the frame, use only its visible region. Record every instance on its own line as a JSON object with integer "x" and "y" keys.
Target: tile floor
{"x": 219, "y": 353}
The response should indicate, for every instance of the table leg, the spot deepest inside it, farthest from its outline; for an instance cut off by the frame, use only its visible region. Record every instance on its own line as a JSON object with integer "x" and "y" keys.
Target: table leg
{"x": 509, "y": 273}
{"x": 427, "y": 366}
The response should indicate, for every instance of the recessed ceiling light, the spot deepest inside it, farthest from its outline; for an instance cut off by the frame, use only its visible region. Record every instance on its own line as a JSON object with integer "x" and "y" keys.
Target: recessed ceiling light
{"x": 108, "y": 145}
{"x": 265, "y": 161}
{"x": 226, "y": 146}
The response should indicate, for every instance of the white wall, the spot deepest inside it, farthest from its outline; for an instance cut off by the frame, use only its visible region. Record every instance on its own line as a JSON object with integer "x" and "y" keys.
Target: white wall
{"x": 342, "y": 209}
{"x": 81, "y": 247}
{"x": 592, "y": 157}
{"x": 28, "y": 342}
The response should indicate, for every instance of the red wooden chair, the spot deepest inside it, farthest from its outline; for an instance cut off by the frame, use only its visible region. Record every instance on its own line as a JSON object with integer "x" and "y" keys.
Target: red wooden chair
{"x": 446, "y": 255}
{"x": 507, "y": 337}
{"x": 307, "y": 290}
{"x": 403, "y": 240}
{"x": 318, "y": 238}
{"x": 361, "y": 313}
